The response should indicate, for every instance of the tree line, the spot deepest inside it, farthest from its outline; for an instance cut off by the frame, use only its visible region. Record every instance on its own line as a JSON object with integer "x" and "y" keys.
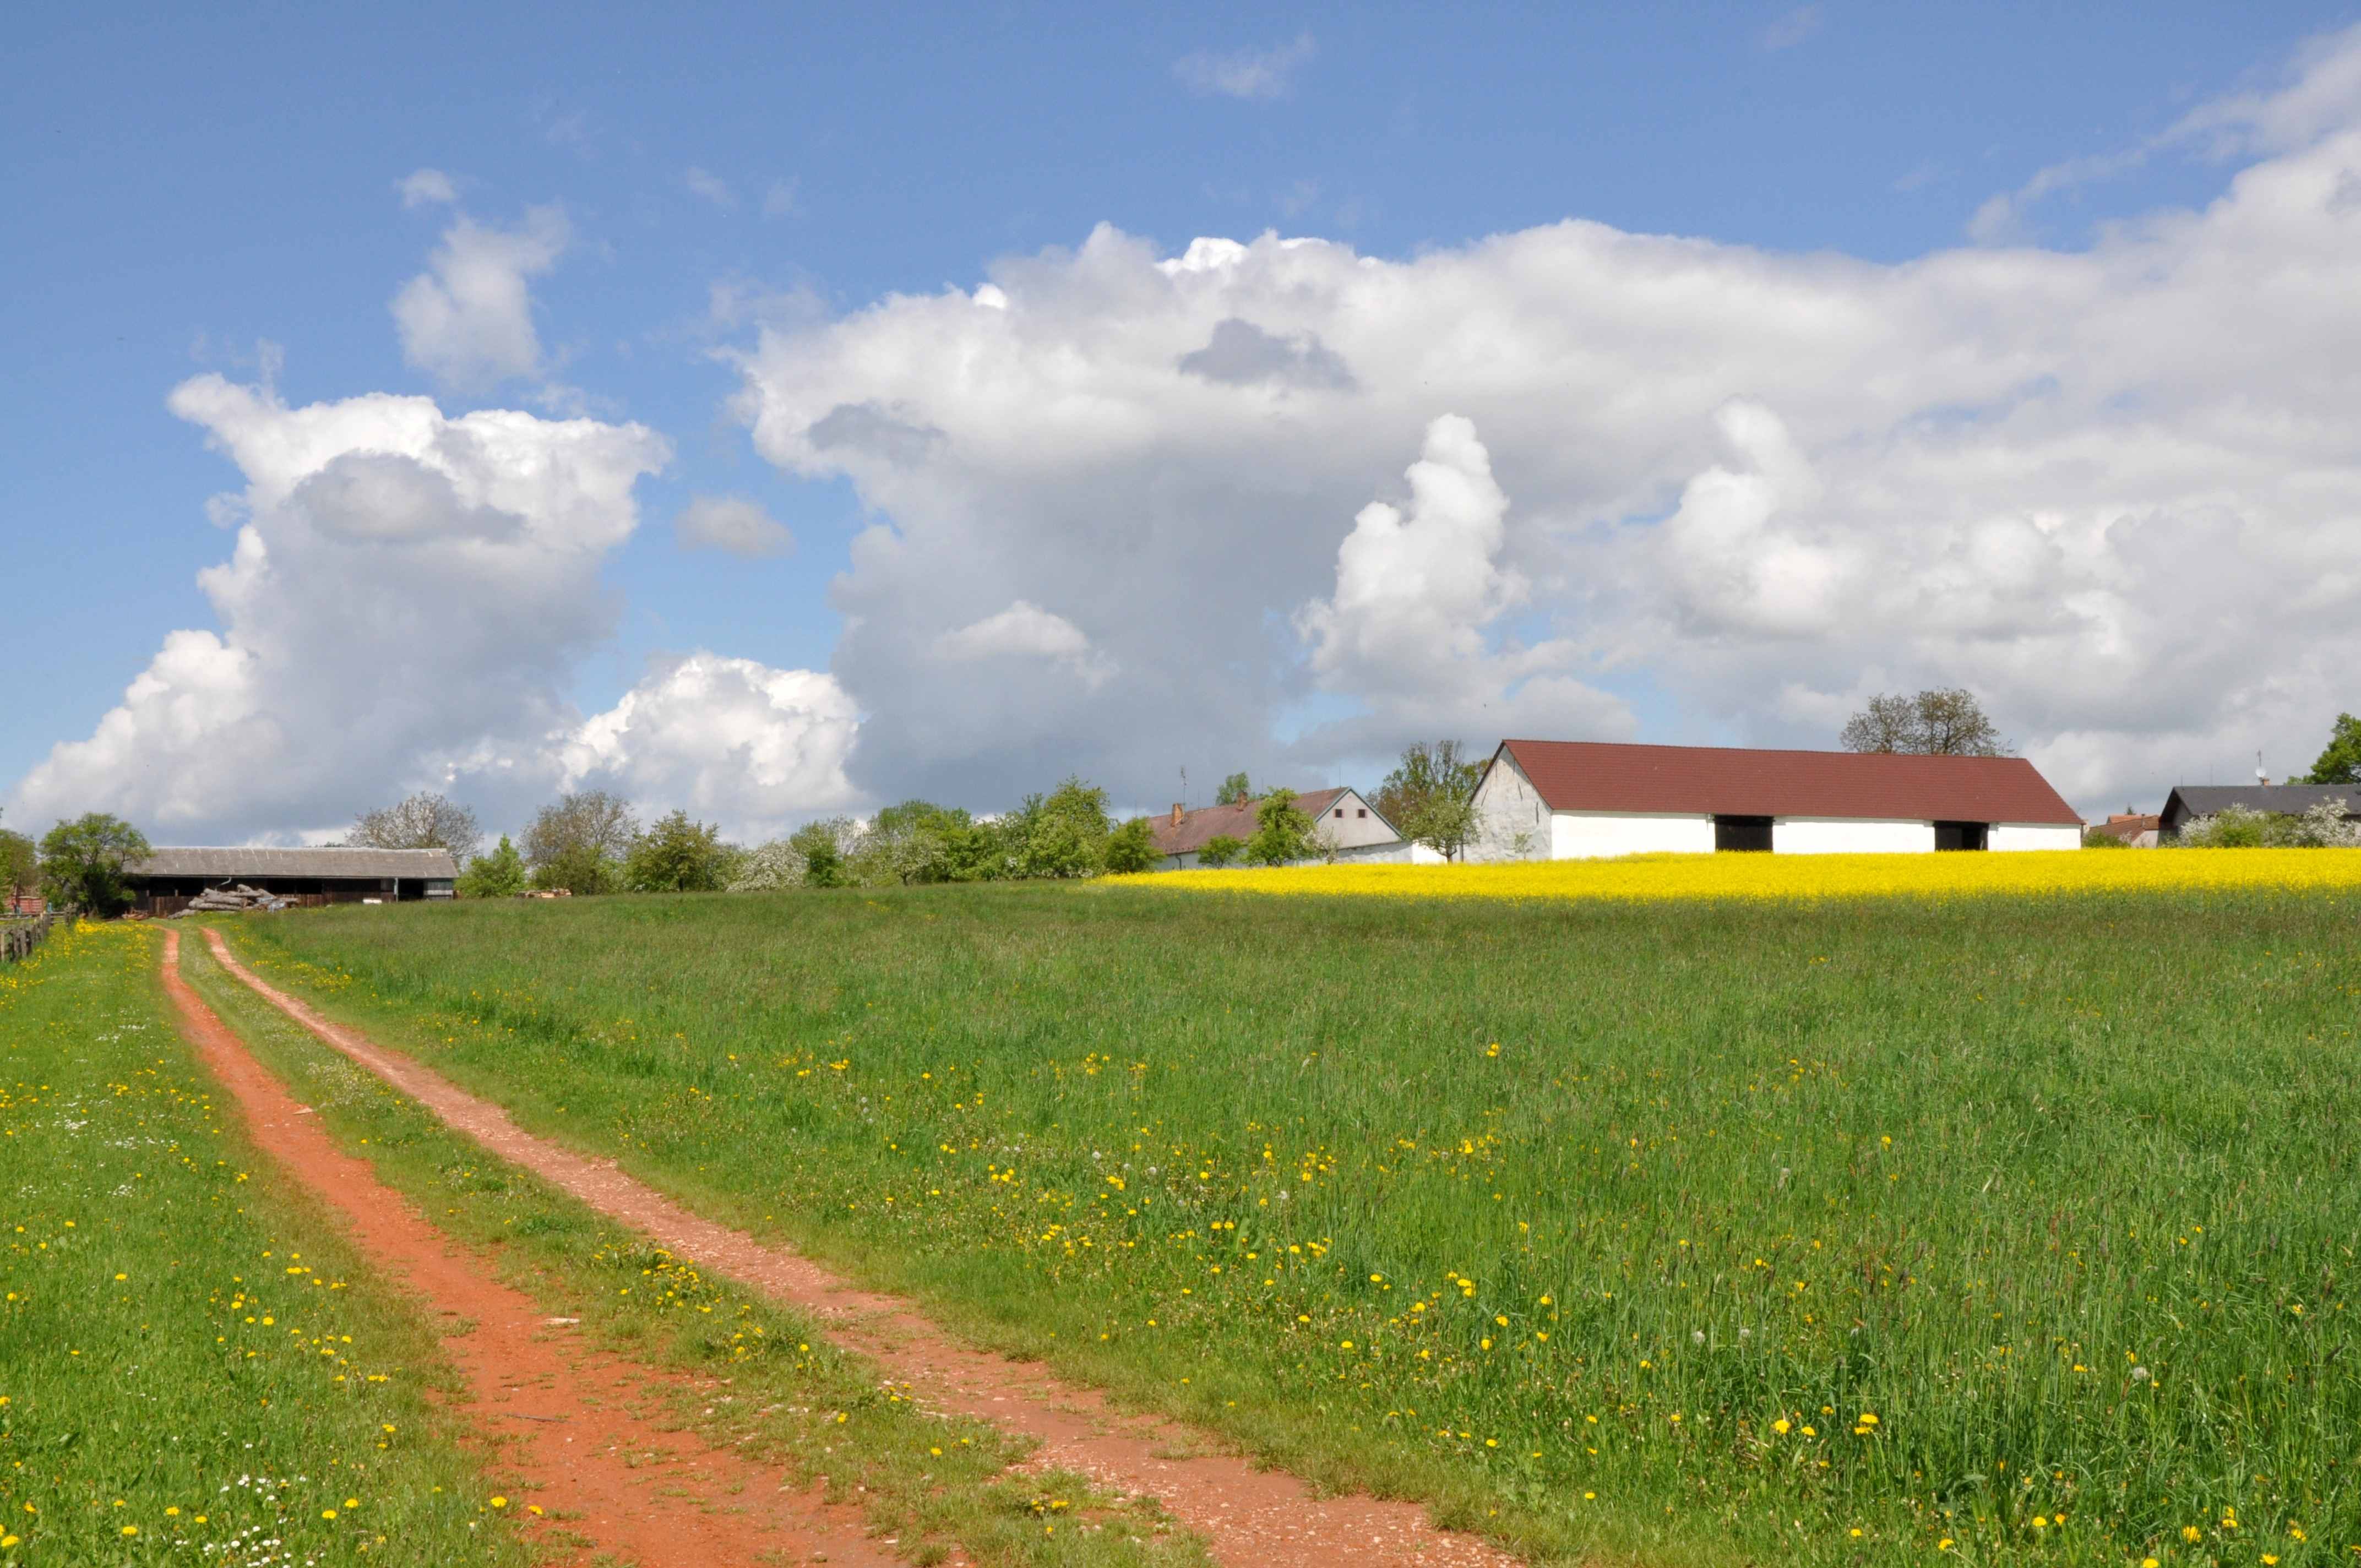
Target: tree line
{"x": 592, "y": 842}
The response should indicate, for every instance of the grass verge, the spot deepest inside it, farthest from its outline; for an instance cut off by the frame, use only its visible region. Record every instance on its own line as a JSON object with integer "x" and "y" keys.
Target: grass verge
{"x": 768, "y": 1383}
{"x": 194, "y": 1365}
{"x": 2014, "y": 1229}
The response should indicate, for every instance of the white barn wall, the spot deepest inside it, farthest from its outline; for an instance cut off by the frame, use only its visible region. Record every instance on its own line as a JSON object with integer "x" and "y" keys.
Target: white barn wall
{"x": 1588, "y": 834}
{"x": 1849, "y": 836}
{"x": 2034, "y": 835}
{"x": 1512, "y": 823}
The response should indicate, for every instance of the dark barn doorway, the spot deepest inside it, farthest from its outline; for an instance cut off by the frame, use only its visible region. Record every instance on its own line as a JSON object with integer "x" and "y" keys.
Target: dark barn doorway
{"x": 1749, "y": 833}
{"x": 1962, "y": 836}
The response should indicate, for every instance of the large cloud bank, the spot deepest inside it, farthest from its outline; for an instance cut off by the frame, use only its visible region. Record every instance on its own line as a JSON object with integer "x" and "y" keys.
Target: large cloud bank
{"x": 1280, "y": 506}
{"x": 2116, "y": 491}
{"x": 406, "y": 603}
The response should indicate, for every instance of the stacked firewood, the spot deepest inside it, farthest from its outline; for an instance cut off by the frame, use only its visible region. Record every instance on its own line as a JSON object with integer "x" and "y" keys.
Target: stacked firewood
{"x": 235, "y": 900}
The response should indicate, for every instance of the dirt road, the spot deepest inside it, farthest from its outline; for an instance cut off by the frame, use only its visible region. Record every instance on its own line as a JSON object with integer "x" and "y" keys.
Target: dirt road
{"x": 1253, "y": 1519}
{"x": 568, "y": 1417}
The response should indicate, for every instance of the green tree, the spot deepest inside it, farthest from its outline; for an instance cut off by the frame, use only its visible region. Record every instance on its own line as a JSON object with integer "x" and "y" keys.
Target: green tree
{"x": 1219, "y": 850}
{"x": 919, "y": 841}
{"x": 1061, "y": 834}
{"x": 500, "y": 874}
{"x": 1234, "y": 791}
{"x": 579, "y": 842}
{"x": 1282, "y": 832}
{"x": 2341, "y": 762}
{"x": 20, "y": 864}
{"x": 1430, "y": 796}
{"x": 821, "y": 846}
{"x": 82, "y": 861}
{"x": 1132, "y": 847}
{"x": 677, "y": 855}
{"x": 1944, "y": 721}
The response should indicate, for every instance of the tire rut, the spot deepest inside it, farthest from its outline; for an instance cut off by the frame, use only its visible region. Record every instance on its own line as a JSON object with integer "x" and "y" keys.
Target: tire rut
{"x": 1251, "y": 1518}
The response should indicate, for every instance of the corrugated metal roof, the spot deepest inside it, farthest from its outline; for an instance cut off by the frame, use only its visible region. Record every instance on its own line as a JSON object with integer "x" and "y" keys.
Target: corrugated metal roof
{"x": 1237, "y": 821}
{"x": 1595, "y": 775}
{"x": 311, "y": 862}
{"x": 2202, "y": 800}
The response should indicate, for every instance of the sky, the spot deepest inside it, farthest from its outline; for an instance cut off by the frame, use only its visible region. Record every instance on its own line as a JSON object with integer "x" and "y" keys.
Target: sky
{"x": 778, "y": 415}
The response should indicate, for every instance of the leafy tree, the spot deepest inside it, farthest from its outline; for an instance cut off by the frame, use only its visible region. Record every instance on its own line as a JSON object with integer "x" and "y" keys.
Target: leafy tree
{"x": 579, "y": 842}
{"x": 820, "y": 845}
{"x": 1234, "y": 791}
{"x": 919, "y": 841}
{"x": 1132, "y": 847}
{"x": 2341, "y": 762}
{"x": 500, "y": 874}
{"x": 82, "y": 861}
{"x": 678, "y": 855}
{"x": 422, "y": 822}
{"x": 20, "y": 864}
{"x": 1282, "y": 832}
{"x": 1221, "y": 850}
{"x": 1430, "y": 796}
{"x": 1938, "y": 722}
{"x": 1061, "y": 834}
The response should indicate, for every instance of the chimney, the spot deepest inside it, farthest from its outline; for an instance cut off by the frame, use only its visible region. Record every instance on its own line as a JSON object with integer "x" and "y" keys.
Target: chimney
{"x": 1177, "y": 814}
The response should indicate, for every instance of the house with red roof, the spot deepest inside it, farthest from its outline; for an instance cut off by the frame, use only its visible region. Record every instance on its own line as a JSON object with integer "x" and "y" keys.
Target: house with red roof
{"x": 1573, "y": 799}
{"x": 1341, "y": 821}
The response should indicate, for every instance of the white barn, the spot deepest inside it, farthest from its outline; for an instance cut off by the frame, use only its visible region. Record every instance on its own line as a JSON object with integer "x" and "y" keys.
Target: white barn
{"x": 1573, "y": 799}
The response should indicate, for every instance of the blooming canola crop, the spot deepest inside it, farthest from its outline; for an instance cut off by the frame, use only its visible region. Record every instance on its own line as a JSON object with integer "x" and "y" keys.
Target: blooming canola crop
{"x": 1789, "y": 878}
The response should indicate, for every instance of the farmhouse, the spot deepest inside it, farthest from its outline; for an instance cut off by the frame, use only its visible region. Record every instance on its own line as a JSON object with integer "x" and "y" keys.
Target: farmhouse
{"x": 2291, "y": 800}
{"x": 1573, "y": 799}
{"x": 165, "y": 881}
{"x": 2135, "y": 829}
{"x": 1339, "y": 817}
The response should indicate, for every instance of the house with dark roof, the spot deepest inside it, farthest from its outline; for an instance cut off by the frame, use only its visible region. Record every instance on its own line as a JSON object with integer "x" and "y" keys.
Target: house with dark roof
{"x": 2188, "y": 801}
{"x": 165, "y": 881}
{"x": 1340, "y": 817}
{"x": 1573, "y": 799}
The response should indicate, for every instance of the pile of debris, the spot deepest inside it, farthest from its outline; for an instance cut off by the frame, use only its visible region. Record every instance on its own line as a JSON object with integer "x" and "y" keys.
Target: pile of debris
{"x": 235, "y": 900}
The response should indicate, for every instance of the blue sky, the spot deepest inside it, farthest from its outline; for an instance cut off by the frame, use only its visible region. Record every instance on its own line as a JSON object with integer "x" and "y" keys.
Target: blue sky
{"x": 208, "y": 191}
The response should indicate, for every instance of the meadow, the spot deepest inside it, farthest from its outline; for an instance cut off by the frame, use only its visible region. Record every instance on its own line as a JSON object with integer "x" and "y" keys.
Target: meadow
{"x": 192, "y": 1365}
{"x": 1832, "y": 1227}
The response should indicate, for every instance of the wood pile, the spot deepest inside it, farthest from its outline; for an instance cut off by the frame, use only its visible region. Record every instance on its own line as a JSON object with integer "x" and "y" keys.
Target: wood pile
{"x": 238, "y": 900}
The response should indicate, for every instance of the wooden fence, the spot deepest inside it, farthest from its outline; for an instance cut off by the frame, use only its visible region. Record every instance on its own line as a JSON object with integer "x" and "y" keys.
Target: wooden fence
{"x": 20, "y": 938}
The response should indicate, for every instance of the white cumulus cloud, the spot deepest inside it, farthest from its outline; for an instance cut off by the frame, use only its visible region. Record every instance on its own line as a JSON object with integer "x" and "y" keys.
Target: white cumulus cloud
{"x": 1026, "y": 630}
{"x": 723, "y": 739}
{"x": 2112, "y": 489}
{"x": 467, "y": 320}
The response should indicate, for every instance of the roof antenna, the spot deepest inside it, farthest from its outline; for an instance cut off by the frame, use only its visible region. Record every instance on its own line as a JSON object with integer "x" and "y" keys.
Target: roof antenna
{"x": 1184, "y": 786}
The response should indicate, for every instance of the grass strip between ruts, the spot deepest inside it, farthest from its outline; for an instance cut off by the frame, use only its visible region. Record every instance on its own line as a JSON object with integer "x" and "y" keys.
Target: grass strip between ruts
{"x": 771, "y": 1386}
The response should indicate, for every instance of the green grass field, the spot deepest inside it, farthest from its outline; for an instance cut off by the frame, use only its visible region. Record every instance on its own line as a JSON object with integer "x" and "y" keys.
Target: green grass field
{"x": 193, "y": 1368}
{"x": 794, "y": 1402}
{"x": 1823, "y": 1234}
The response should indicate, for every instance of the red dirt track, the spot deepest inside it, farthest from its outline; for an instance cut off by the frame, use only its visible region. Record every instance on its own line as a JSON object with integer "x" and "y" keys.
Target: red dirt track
{"x": 562, "y": 1412}
{"x": 1262, "y": 1519}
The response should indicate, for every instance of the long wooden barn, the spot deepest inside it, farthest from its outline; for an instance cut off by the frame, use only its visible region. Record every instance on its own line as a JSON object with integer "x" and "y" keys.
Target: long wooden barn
{"x": 165, "y": 881}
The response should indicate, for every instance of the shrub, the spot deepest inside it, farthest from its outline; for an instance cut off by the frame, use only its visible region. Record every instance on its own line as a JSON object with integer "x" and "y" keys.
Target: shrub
{"x": 1221, "y": 850}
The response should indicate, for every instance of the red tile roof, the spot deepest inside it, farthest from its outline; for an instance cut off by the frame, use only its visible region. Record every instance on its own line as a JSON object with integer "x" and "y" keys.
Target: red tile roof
{"x": 1237, "y": 821}
{"x": 1592, "y": 775}
{"x": 2128, "y": 826}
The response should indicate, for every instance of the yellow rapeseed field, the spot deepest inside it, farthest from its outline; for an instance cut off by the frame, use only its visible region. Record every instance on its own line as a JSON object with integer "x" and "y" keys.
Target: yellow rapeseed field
{"x": 1794, "y": 877}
